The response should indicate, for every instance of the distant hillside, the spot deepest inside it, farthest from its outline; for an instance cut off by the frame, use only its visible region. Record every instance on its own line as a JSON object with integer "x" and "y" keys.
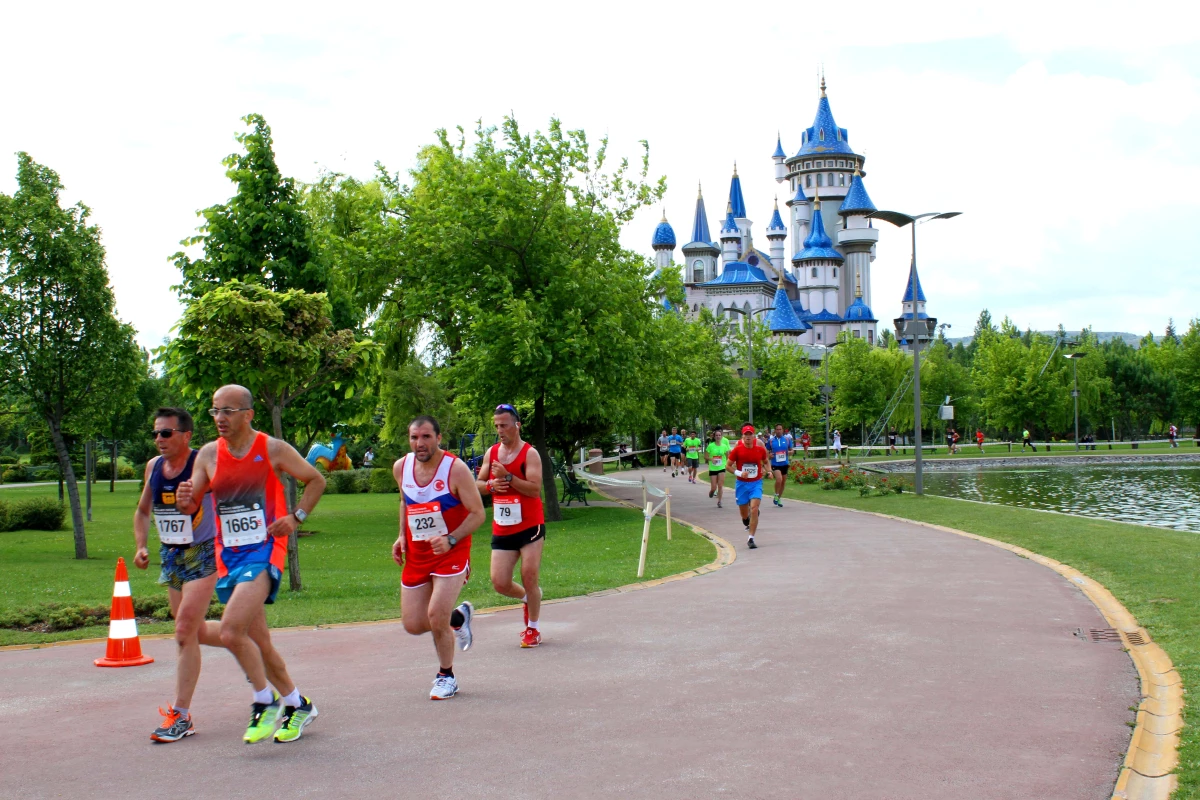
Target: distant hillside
{"x": 1132, "y": 339}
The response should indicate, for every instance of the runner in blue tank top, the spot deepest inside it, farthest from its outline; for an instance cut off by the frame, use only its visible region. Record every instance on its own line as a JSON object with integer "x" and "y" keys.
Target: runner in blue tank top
{"x": 780, "y": 446}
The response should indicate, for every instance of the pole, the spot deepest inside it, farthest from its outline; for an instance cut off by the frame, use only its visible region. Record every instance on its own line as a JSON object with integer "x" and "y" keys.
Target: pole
{"x": 648, "y": 514}
{"x": 1075, "y": 373}
{"x": 826, "y": 390}
{"x": 919, "y": 484}
{"x": 750, "y": 360}
{"x": 668, "y": 516}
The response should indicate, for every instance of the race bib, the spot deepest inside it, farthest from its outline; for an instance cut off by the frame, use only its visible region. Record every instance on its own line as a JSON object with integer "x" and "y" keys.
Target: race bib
{"x": 506, "y": 510}
{"x": 693, "y": 452}
{"x": 173, "y": 527}
{"x": 425, "y": 521}
{"x": 242, "y": 523}
{"x": 781, "y": 457}
{"x": 718, "y": 462}
{"x": 750, "y": 471}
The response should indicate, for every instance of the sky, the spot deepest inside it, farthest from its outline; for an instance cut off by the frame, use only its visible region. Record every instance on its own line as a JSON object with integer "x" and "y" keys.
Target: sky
{"x": 1064, "y": 132}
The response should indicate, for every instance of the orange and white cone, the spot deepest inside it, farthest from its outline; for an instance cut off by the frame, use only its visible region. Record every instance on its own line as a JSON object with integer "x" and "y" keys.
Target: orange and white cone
{"x": 124, "y": 646}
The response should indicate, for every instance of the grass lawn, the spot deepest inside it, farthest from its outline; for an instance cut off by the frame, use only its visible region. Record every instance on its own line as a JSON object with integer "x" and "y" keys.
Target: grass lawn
{"x": 1151, "y": 570}
{"x": 346, "y": 564}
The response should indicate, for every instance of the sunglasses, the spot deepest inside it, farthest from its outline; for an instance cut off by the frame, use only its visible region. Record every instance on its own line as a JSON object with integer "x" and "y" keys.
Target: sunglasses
{"x": 167, "y": 433}
{"x": 505, "y": 407}
{"x": 223, "y": 411}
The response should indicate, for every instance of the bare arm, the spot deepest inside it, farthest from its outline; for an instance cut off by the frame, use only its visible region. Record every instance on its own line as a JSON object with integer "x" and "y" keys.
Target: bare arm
{"x": 399, "y": 546}
{"x": 189, "y": 493}
{"x": 485, "y": 470}
{"x": 531, "y": 484}
{"x": 141, "y": 521}
{"x": 462, "y": 485}
{"x": 285, "y": 459}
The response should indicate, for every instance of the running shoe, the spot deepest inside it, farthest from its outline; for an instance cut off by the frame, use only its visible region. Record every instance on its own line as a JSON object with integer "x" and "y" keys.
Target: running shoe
{"x": 263, "y": 718}
{"x": 750, "y": 543}
{"x": 711, "y": 492}
{"x": 295, "y": 719}
{"x": 463, "y": 634}
{"x": 718, "y": 504}
{"x": 530, "y": 637}
{"x": 444, "y": 687}
{"x": 174, "y": 726}
{"x": 780, "y": 503}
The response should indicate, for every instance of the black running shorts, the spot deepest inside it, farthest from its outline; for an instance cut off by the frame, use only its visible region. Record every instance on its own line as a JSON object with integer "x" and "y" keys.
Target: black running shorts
{"x": 515, "y": 541}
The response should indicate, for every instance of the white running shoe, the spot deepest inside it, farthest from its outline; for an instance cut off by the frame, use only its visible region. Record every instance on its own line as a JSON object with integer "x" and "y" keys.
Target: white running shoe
{"x": 463, "y": 634}
{"x": 444, "y": 687}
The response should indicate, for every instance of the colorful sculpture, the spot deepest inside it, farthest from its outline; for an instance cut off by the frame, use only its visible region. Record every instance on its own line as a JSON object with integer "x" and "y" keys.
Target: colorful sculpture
{"x": 330, "y": 457}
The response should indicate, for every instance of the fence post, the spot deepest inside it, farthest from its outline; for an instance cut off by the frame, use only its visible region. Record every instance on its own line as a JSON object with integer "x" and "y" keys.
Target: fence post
{"x": 668, "y": 516}
{"x": 648, "y": 514}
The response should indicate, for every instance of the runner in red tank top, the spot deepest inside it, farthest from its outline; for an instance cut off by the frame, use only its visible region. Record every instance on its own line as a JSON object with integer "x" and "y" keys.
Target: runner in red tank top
{"x": 242, "y": 470}
{"x": 511, "y": 473}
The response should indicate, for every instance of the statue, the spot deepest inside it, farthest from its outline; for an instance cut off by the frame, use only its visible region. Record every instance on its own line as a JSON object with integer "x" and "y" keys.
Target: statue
{"x": 331, "y": 457}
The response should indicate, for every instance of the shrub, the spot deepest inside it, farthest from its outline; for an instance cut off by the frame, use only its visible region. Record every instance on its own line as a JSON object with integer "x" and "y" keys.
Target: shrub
{"x": 15, "y": 474}
{"x": 380, "y": 481}
{"x": 7, "y": 460}
{"x": 34, "y": 514}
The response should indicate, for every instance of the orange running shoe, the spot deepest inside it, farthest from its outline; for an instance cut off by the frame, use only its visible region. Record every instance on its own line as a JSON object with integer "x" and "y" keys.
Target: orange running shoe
{"x": 530, "y": 637}
{"x": 174, "y": 726}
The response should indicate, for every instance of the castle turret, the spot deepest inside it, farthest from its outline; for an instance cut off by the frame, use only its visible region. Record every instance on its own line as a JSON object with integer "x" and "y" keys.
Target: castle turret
{"x": 801, "y": 213}
{"x": 779, "y": 157}
{"x": 860, "y": 320}
{"x": 910, "y": 304}
{"x": 738, "y": 203}
{"x": 777, "y": 235}
{"x": 857, "y": 239}
{"x": 701, "y": 253}
{"x": 819, "y": 265}
{"x": 663, "y": 243}
{"x": 731, "y": 237}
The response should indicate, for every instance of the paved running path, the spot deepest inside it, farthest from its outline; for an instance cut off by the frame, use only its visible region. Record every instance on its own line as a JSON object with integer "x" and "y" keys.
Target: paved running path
{"x": 848, "y": 657}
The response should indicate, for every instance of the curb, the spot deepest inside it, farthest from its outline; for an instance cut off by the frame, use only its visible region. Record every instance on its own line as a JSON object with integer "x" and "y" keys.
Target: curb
{"x": 1150, "y": 762}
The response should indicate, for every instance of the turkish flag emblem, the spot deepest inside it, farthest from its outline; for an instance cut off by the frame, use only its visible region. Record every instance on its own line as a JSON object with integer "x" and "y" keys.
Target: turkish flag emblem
{"x": 439, "y": 485}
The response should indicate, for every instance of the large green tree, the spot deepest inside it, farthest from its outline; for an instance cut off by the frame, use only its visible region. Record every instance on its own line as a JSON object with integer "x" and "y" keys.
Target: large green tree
{"x": 62, "y": 348}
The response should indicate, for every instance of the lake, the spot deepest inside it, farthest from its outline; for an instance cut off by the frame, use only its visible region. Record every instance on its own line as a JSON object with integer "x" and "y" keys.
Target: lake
{"x": 1163, "y": 495}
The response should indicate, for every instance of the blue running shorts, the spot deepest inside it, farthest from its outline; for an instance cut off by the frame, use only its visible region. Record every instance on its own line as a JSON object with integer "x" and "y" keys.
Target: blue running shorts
{"x": 745, "y": 492}
{"x": 245, "y": 573}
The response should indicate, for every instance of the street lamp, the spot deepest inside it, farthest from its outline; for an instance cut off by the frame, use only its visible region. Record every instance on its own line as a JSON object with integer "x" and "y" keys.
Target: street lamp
{"x": 900, "y": 220}
{"x": 1075, "y": 392}
{"x": 827, "y": 391}
{"x": 749, "y": 373}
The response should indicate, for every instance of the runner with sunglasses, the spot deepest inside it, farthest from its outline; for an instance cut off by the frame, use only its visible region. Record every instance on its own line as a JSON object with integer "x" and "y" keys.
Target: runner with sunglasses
{"x": 440, "y": 508}
{"x": 188, "y": 555}
{"x": 511, "y": 473}
{"x": 243, "y": 470}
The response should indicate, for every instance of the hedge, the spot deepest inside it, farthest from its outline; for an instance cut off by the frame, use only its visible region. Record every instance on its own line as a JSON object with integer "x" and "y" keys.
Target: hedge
{"x": 34, "y": 514}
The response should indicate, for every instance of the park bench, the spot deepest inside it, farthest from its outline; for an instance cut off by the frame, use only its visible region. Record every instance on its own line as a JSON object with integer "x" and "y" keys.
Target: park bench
{"x": 573, "y": 488}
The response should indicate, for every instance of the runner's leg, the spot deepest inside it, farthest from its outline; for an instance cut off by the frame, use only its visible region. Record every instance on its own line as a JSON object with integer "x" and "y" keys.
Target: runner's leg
{"x": 273, "y": 663}
{"x": 188, "y": 607}
{"x": 414, "y": 608}
{"x": 244, "y": 606}
{"x": 531, "y": 566}
{"x": 754, "y": 515}
{"x": 503, "y": 562}
{"x": 442, "y": 600}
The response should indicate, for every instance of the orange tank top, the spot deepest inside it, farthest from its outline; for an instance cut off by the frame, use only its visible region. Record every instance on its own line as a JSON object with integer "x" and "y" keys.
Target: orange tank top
{"x": 247, "y": 494}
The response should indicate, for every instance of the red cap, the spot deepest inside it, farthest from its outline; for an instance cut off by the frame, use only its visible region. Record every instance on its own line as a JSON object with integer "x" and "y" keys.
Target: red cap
{"x": 747, "y": 429}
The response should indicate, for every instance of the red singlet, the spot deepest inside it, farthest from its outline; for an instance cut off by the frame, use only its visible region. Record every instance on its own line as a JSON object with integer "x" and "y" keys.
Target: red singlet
{"x": 754, "y": 455}
{"x": 513, "y": 512}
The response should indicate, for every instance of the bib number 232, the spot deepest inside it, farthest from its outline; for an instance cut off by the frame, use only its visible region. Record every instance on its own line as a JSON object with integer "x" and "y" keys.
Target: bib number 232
{"x": 425, "y": 521}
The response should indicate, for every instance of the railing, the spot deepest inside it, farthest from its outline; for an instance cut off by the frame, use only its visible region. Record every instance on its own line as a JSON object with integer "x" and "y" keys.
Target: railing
{"x": 649, "y": 509}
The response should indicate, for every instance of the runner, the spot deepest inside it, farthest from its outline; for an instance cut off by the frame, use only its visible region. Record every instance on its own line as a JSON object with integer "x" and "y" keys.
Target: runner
{"x": 805, "y": 441}
{"x": 664, "y": 442}
{"x": 675, "y": 449}
{"x": 1026, "y": 441}
{"x": 837, "y": 444}
{"x": 1172, "y": 432}
{"x": 979, "y": 439}
{"x": 440, "y": 508}
{"x": 891, "y": 441}
{"x": 950, "y": 441}
{"x": 188, "y": 556}
{"x": 748, "y": 463}
{"x": 512, "y": 472}
{"x": 780, "y": 446}
{"x": 691, "y": 447}
{"x": 715, "y": 454}
{"x": 242, "y": 470}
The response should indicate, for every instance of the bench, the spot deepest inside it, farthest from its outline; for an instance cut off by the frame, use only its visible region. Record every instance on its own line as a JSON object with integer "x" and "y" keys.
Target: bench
{"x": 573, "y": 488}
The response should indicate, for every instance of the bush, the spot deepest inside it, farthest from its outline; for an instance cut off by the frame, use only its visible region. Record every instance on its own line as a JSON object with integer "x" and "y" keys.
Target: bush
{"x": 7, "y": 460}
{"x": 15, "y": 474}
{"x": 347, "y": 481}
{"x": 34, "y": 514}
{"x": 381, "y": 481}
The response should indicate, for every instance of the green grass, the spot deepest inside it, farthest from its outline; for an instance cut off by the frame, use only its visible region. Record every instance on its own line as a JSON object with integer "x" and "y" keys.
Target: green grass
{"x": 1152, "y": 571}
{"x": 346, "y": 564}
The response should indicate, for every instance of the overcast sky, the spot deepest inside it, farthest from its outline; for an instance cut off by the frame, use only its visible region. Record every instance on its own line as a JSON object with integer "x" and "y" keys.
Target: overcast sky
{"x": 1065, "y": 132}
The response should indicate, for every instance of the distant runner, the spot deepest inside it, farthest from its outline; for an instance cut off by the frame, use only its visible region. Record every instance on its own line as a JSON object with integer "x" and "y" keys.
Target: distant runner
{"x": 715, "y": 454}
{"x": 664, "y": 442}
{"x": 1026, "y": 441}
{"x": 242, "y": 469}
{"x": 189, "y": 562}
{"x": 837, "y": 444}
{"x": 780, "y": 446}
{"x": 440, "y": 508}
{"x": 748, "y": 463}
{"x": 675, "y": 450}
{"x": 1173, "y": 432}
{"x": 805, "y": 441}
{"x": 979, "y": 439}
{"x": 511, "y": 473}
{"x": 892, "y": 441}
{"x": 691, "y": 447}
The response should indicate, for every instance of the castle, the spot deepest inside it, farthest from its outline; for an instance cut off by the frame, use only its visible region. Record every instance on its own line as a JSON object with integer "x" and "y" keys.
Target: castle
{"x": 824, "y": 287}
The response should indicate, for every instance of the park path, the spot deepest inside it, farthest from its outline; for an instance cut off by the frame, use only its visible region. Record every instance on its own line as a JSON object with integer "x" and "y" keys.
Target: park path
{"x": 850, "y": 656}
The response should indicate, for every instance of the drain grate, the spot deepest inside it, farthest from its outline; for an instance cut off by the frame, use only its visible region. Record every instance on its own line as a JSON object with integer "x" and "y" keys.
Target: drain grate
{"x": 1135, "y": 637}
{"x": 1104, "y": 635}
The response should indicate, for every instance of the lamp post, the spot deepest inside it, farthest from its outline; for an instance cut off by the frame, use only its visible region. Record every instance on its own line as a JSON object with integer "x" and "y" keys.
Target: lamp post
{"x": 827, "y": 391}
{"x": 749, "y": 373}
{"x": 1075, "y": 392}
{"x": 900, "y": 220}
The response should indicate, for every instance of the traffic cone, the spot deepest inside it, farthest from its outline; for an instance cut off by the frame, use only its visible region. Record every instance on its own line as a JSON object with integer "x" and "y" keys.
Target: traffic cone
{"x": 124, "y": 646}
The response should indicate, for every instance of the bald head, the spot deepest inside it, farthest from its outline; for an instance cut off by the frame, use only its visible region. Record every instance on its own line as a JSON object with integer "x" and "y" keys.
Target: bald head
{"x": 232, "y": 395}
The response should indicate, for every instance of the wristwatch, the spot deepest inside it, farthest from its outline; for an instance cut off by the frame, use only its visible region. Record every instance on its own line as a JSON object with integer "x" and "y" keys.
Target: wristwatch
{"x": 300, "y": 515}
{"x": 450, "y": 538}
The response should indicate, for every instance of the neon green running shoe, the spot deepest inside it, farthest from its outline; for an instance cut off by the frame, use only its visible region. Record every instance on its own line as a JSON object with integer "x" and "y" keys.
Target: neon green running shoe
{"x": 263, "y": 719}
{"x": 295, "y": 720}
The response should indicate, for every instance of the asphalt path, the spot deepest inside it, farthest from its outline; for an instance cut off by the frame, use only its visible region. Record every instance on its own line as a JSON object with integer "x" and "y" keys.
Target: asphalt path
{"x": 850, "y": 656}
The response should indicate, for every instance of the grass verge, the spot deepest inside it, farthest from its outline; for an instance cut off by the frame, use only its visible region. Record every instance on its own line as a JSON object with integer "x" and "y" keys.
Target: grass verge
{"x": 346, "y": 564}
{"x": 1152, "y": 571}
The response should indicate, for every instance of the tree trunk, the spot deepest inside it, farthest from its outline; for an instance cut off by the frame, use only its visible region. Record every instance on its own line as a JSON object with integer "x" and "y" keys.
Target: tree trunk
{"x": 549, "y": 487}
{"x": 65, "y": 468}
{"x": 293, "y": 545}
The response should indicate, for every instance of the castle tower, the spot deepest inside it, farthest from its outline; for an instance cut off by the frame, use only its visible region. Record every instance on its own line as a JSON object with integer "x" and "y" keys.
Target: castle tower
{"x": 779, "y": 157}
{"x": 700, "y": 254}
{"x": 777, "y": 235}
{"x": 858, "y": 236}
{"x": 860, "y": 320}
{"x": 731, "y": 238}
{"x": 801, "y": 214}
{"x": 663, "y": 243}
{"x": 818, "y": 273}
{"x": 908, "y": 304}
{"x": 738, "y": 203}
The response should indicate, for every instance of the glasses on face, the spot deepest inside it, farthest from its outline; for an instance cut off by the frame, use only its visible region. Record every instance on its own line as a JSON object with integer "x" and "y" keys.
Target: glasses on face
{"x": 166, "y": 433}
{"x": 225, "y": 411}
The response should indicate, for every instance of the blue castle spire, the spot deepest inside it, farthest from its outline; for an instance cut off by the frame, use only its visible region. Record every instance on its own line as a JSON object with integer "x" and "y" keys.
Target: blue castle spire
{"x": 824, "y": 136}
{"x": 664, "y": 234}
{"x": 730, "y": 225}
{"x": 776, "y": 223}
{"x": 908, "y": 286}
{"x": 700, "y": 224}
{"x": 857, "y": 200}
{"x": 783, "y": 317}
{"x": 858, "y": 310}
{"x": 778, "y": 148}
{"x": 736, "y": 201}
{"x": 818, "y": 244}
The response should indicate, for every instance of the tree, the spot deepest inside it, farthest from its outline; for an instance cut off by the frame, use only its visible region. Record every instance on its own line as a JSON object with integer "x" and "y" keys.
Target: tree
{"x": 60, "y": 342}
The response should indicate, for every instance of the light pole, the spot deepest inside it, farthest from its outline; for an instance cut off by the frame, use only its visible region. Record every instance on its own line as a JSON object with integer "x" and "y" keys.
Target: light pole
{"x": 1075, "y": 392}
{"x": 749, "y": 373}
{"x": 900, "y": 220}
{"x": 827, "y": 391}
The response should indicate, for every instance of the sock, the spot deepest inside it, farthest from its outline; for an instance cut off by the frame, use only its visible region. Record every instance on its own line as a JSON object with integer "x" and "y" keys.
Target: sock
{"x": 183, "y": 712}
{"x": 264, "y": 696}
{"x": 533, "y": 623}
{"x": 457, "y": 619}
{"x": 525, "y": 599}
{"x": 293, "y": 699}
{"x": 447, "y": 671}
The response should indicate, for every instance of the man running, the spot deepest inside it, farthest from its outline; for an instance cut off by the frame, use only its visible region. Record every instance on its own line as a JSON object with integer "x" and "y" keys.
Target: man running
{"x": 1173, "y": 432}
{"x": 675, "y": 449}
{"x": 780, "y": 446}
{"x": 1025, "y": 440}
{"x": 891, "y": 441}
{"x": 242, "y": 470}
{"x": 805, "y": 441}
{"x": 511, "y": 473}
{"x": 664, "y": 443}
{"x": 748, "y": 463}
{"x": 440, "y": 508}
{"x": 188, "y": 556}
{"x": 691, "y": 448}
{"x": 837, "y": 444}
{"x": 979, "y": 439}
{"x": 715, "y": 454}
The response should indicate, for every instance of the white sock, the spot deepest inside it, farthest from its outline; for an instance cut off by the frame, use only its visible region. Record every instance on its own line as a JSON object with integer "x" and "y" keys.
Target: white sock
{"x": 183, "y": 712}
{"x": 533, "y": 623}
{"x": 525, "y": 599}
{"x": 293, "y": 699}
{"x": 263, "y": 695}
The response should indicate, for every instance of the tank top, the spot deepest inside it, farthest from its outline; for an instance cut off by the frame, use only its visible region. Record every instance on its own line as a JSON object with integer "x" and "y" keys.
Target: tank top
{"x": 779, "y": 449}
{"x": 430, "y": 510}
{"x": 248, "y": 496}
{"x": 176, "y": 529}
{"x": 513, "y": 512}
